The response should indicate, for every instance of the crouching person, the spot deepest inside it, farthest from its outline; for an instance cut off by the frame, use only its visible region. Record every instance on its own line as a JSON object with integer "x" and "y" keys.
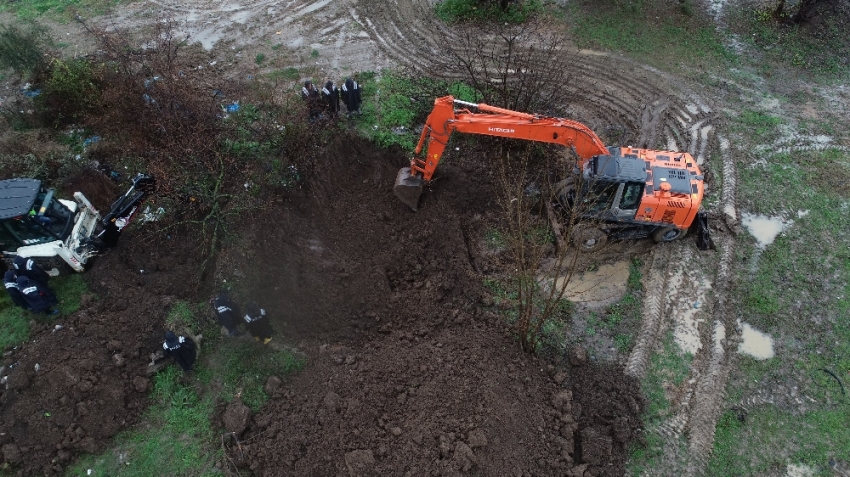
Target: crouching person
{"x": 257, "y": 323}
{"x": 181, "y": 348}
{"x": 39, "y": 298}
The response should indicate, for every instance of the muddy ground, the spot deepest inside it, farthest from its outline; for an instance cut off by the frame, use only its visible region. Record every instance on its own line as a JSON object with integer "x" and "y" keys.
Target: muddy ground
{"x": 407, "y": 372}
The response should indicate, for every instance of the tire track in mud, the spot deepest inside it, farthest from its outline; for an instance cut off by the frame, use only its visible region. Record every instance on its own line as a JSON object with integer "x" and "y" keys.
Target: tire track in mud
{"x": 711, "y": 388}
{"x": 653, "y": 311}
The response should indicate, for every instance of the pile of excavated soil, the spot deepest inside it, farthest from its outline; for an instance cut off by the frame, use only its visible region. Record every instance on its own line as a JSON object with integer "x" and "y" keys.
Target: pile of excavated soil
{"x": 408, "y": 374}
{"x": 408, "y": 371}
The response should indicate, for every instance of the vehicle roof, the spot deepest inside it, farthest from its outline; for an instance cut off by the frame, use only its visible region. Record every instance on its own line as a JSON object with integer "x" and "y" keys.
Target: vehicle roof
{"x": 17, "y": 196}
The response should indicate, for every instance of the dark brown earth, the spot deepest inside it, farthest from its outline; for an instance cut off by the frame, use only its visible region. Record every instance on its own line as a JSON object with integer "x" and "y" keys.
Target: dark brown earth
{"x": 407, "y": 372}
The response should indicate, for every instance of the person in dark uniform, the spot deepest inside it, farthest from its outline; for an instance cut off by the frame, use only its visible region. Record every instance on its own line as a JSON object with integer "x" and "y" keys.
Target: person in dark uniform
{"x": 311, "y": 98}
{"x": 28, "y": 268}
{"x": 258, "y": 323}
{"x": 39, "y": 298}
{"x": 330, "y": 99}
{"x": 351, "y": 96}
{"x": 10, "y": 280}
{"x": 181, "y": 348}
{"x": 226, "y": 313}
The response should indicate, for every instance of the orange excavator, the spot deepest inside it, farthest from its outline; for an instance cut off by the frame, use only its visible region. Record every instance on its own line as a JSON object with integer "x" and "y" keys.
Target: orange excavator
{"x": 618, "y": 192}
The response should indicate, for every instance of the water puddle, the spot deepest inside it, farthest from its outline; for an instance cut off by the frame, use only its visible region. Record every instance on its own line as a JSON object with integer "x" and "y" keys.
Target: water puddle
{"x": 599, "y": 287}
{"x": 688, "y": 314}
{"x": 765, "y": 229}
{"x": 755, "y": 343}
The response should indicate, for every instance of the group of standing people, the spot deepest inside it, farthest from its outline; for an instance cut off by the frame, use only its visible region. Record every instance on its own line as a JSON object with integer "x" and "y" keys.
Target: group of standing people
{"x": 26, "y": 284}
{"x": 184, "y": 350}
{"x": 327, "y": 100}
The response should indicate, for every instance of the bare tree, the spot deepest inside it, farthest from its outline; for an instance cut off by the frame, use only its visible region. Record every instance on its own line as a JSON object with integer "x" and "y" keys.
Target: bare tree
{"x": 520, "y": 67}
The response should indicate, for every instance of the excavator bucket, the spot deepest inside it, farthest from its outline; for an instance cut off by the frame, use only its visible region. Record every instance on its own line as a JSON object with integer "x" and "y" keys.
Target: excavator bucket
{"x": 408, "y": 188}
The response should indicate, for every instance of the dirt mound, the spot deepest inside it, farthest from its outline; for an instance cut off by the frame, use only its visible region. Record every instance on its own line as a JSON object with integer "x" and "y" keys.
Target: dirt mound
{"x": 407, "y": 371}
{"x": 81, "y": 379}
{"x": 98, "y": 189}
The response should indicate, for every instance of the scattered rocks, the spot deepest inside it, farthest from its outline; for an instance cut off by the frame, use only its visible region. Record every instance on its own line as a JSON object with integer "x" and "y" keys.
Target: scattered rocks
{"x": 596, "y": 446}
{"x": 396, "y": 431}
{"x": 476, "y": 438}
{"x": 332, "y": 401}
{"x": 273, "y": 383}
{"x": 360, "y": 463}
{"x": 578, "y": 356}
{"x": 12, "y": 454}
{"x": 236, "y": 417}
{"x": 464, "y": 456}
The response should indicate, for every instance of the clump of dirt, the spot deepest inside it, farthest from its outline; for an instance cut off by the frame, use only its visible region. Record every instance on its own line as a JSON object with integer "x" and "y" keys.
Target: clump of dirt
{"x": 81, "y": 378}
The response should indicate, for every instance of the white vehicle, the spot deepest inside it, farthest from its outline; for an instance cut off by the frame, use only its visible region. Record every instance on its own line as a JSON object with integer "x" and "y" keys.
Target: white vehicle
{"x": 35, "y": 224}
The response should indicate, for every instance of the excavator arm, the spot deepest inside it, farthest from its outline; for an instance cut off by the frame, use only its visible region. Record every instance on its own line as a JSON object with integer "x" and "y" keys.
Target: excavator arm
{"x": 489, "y": 121}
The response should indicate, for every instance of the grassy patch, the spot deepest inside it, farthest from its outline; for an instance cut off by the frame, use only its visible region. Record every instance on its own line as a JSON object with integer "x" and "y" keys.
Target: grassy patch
{"x": 242, "y": 368}
{"x": 455, "y": 11}
{"x": 796, "y": 290}
{"x": 260, "y": 58}
{"x": 648, "y": 30}
{"x": 289, "y": 73}
{"x": 395, "y": 104}
{"x": 812, "y": 439}
{"x": 58, "y": 9}
{"x": 668, "y": 368}
{"x": 15, "y": 322}
{"x": 760, "y": 125}
{"x": 178, "y": 436}
{"x": 820, "y": 49}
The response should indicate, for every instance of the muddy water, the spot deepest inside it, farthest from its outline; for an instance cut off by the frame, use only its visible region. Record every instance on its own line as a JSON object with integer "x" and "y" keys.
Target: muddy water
{"x": 600, "y": 287}
{"x": 755, "y": 343}
{"x": 765, "y": 229}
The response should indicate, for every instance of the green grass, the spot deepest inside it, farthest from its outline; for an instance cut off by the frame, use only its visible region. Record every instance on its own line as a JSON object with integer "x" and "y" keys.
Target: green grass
{"x": 458, "y": 11}
{"x": 243, "y": 367}
{"x": 69, "y": 289}
{"x": 15, "y": 322}
{"x": 289, "y": 73}
{"x": 760, "y": 125}
{"x": 821, "y": 50}
{"x": 59, "y": 9}
{"x": 812, "y": 439}
{"x": 671, "y": 366}
{"x": 260, "y": 58}
{"x": 177, "y": 434}
{"x": 633, "y": 27}
{"x": 394, "y": 104}
{"x": 176, "y": 439}
{"x": 797, "y": 293}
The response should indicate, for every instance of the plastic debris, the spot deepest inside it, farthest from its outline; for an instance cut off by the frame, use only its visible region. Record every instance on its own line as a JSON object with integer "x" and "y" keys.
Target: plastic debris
{"x": 152, "y": 216}
{"x": 232, "y": 107}
{"x": 91, "y": 140}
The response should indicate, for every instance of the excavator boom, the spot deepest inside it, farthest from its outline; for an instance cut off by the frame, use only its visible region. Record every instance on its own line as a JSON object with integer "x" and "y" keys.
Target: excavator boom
{"x": 489, "y": 121}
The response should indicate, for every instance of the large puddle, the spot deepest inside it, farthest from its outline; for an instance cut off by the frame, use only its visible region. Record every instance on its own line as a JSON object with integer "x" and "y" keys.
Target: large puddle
{"x": 755, "y": 343}
{"x": 765, "y": 229}
{"x": 598, "y": 287}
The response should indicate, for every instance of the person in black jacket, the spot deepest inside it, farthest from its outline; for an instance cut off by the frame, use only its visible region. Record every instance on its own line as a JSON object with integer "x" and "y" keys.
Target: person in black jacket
{"x": 258, "y": 323}
{"x": 226, "y": 313}
{"x": 28, "y": 268}
{"x": 351, "y": 96}
{"x": 330, "y": 98}
{"x": 311, "y": 98}
{"x": 39, "y": 298}
{"x": 10, "y": 280}
{"x": 181, "y": 348}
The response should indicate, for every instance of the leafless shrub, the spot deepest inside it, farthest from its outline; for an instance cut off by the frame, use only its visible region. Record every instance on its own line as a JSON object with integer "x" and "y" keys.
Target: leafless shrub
{"x": 520, "y": 67}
